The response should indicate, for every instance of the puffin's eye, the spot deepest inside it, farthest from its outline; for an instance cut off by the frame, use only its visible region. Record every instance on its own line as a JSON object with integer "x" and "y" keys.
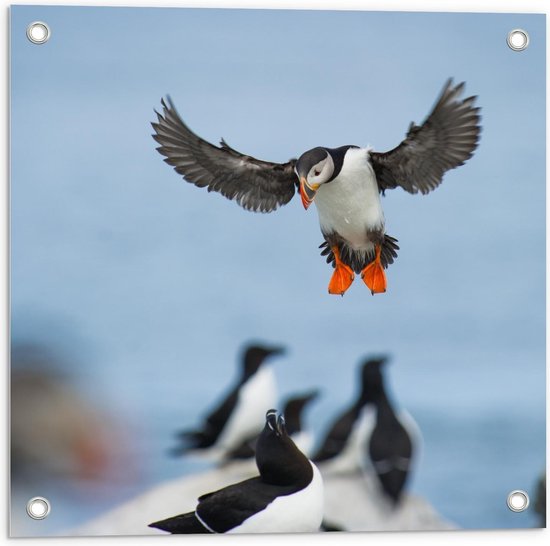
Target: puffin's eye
{"x": 316, "y": 172}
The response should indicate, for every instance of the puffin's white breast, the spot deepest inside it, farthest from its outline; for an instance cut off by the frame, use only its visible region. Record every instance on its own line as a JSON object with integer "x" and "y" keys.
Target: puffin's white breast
{"x": 350, "y": 204}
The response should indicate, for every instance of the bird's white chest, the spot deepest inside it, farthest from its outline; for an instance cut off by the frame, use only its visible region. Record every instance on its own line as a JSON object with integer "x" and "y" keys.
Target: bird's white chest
{"x": 350, "y": 204}
{"x": 256, "y": 396}
{"x": 301, "y": 512}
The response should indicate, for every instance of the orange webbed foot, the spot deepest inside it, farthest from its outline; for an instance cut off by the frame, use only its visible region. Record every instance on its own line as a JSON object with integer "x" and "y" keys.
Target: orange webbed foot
{"x": 341, "y": 280}
{"x": 374, "y": 276}
{"x": 342, "y": 277}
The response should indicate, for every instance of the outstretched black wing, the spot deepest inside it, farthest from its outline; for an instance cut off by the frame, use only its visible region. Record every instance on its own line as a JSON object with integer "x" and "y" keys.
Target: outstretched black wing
{"x": 256, "y": 185}
{"x": 446, "y": 139}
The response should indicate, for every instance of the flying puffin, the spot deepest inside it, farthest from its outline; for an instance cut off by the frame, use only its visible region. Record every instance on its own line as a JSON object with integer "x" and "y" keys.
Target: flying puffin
{"x": 287, "y": 496}
{"x": 344, "y": 182}
{"x": 342, "y": 448}
{"x": 293, "y": 409}
{"x": 394, "y": 440}
{"x": 239, "y": 415}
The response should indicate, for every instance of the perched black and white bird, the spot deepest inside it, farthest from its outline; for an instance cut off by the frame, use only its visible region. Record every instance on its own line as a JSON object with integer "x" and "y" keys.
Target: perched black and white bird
{"x": 293, "y": 409}
{"x": 342, "y": 448}
{"x": 345, "y": 182}
{"x": 240, "y": 414}
{"x": 287, "y": 496}
{"x": 394, "y": 441}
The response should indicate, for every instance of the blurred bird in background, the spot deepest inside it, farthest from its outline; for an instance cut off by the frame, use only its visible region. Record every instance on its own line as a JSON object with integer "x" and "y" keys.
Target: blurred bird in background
{"x": 341, "y": 449}
{"x": 393, "y": 442}
{"x": 293, "y": 408}
{"x": 238, "y": 416}
{"x": 365, "y": 459}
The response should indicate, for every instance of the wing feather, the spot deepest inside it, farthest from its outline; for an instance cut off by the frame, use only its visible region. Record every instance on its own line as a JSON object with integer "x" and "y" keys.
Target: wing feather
{"x": 446, "y": 139}
{"x": 256, "y": 185}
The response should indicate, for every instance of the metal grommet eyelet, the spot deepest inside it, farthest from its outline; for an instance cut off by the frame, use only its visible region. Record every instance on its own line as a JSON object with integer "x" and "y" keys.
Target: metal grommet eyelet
{"x": 38, "y": 32}
{"x": 518, "y": 39}
{"x": 518, "y": 501}
{"x": 38, "y": 508}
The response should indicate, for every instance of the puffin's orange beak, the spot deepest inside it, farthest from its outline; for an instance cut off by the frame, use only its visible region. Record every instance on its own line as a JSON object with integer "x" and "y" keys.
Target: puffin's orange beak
{"x": 307, "y": 192}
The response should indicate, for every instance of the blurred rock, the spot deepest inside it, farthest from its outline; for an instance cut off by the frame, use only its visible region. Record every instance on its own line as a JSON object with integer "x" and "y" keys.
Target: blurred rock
{"x": 348, "y": 505}
{"x": 167, "y": 499}
{"x": 353, "y": 503}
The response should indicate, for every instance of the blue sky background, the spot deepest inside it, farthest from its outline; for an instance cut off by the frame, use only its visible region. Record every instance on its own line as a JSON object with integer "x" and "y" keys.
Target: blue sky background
{"x": 152, "y": 285}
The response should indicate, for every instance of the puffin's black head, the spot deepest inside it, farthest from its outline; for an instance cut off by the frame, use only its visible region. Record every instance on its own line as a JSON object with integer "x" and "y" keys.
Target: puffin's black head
{"x": 314, "y": 167}
{"x": 279, "y": 461}
{"x": 372, "y": 380}
{"x": 254, "y": 357}
{"x": 293, "y": 410}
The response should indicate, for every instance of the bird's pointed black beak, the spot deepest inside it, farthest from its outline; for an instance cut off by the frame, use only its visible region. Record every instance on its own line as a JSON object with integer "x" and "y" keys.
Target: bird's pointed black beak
{"x": 383, "y": 360}
{"x": 275, "y": 422}
{"x": 312, "y": 395}
{"x": 277, "y": 351}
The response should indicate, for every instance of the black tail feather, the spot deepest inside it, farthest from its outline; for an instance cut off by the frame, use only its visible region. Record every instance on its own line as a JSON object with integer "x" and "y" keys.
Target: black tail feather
{"x": 181, "y": 525}
{"x": 358, "y": 260}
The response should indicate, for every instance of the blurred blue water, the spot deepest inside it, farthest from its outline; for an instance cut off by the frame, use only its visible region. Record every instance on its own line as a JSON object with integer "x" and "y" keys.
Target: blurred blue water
{"x": 155, "y": 284}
